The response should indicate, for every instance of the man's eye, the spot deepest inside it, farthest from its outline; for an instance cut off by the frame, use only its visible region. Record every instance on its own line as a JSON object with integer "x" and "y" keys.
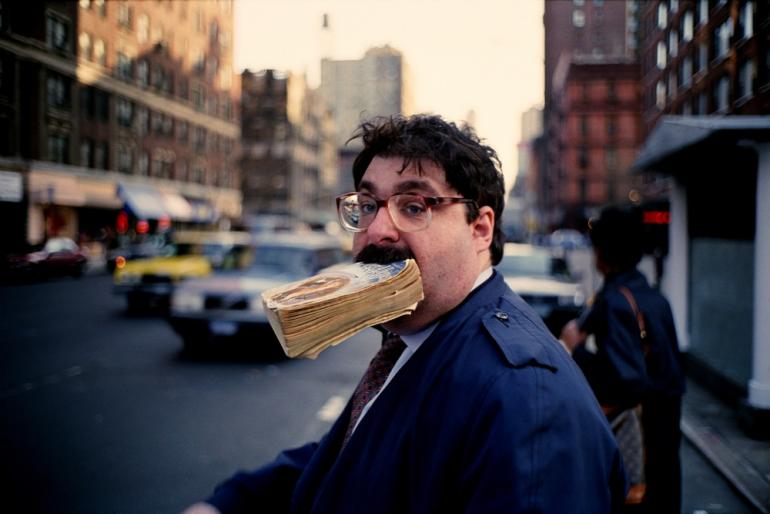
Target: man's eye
{"x": 368, "y": 207}
{"x": 413, "y": 208}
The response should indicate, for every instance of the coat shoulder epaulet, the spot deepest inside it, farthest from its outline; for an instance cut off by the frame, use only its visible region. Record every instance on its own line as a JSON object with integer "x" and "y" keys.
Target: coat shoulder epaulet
{"x": 521, "y": 336}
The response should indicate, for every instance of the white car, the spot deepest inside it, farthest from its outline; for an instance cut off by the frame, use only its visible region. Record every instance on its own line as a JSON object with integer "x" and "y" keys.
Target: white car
{"x": 225, "y": 309}
{"x": 544, "y": 282}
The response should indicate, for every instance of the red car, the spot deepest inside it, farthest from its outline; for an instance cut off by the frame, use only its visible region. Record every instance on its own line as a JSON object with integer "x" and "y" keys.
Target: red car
{"x": 58, "y": 256}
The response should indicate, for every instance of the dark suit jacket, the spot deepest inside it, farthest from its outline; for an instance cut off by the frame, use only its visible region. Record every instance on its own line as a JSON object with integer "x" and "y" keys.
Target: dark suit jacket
{"x": 489, "y": 415}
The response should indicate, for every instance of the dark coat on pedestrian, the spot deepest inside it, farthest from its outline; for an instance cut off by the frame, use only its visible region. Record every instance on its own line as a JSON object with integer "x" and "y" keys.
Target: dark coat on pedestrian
{"x": 622, "y": 374}
{"x": 489, "y": 415}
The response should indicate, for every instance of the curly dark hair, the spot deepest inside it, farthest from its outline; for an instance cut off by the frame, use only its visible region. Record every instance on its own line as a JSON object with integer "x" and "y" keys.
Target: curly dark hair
{"x": 470, "y": 167}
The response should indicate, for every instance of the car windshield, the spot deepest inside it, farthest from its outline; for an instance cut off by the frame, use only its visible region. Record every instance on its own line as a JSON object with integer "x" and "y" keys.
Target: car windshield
{"x": 537, "y": 265}
{"x": 293, "y": 260}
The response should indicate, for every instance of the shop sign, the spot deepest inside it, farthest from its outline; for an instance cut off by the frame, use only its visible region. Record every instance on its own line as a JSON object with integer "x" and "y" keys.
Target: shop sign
{"x": 11, "y": 189}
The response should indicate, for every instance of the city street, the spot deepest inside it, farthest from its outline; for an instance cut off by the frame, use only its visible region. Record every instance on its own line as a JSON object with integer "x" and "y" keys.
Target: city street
{"x": 101, "y": 414}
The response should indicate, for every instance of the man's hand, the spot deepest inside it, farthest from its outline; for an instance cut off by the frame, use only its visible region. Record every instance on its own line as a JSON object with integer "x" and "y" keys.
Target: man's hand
{"x": 571, "y": 336}
{"x": 201, "y": 508}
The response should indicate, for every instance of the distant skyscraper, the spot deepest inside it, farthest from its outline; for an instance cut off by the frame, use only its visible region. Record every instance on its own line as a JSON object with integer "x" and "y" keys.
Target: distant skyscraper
{"x": 356, "y": 90}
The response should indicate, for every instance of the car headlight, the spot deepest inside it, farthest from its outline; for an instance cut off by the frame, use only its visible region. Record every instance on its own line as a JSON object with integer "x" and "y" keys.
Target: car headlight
{"x": 185, "y": 301}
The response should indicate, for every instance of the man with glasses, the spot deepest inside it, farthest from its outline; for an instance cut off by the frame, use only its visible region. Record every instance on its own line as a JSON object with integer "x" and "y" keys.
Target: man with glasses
{"x": 471, "y": 405}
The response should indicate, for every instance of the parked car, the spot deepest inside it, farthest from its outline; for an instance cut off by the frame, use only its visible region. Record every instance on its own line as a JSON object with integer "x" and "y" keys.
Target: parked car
{"x": 544, "y": 281}
{"x": 225, "y": 310}
{"x": 567, "y": 239}
{"x": 148, "y": 283}
{"x": 58, "y": 256}
{"x": 156, "y": 246}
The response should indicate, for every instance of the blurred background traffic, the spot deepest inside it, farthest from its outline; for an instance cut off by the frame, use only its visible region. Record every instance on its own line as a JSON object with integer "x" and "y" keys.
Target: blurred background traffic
{"x": 163, "y": 162}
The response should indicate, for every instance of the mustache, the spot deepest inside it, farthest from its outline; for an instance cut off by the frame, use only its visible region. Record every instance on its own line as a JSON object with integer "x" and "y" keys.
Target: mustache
{"x": 373, "y": 254}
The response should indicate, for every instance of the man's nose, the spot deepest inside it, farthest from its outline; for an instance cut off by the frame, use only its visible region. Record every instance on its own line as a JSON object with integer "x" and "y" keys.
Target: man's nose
{"x": 382, "y": 227}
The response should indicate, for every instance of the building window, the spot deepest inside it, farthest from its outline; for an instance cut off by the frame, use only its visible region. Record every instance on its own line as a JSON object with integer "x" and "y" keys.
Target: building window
{"x": 722, "y": 35}
{"x": 612, "y": 159}
{"x": 198, "y": 96}
{"x": 58, "y": 148}
{"x": 673, "y": 43}
{"x": 578, "y": 18}
{"x": 660, "y": 95}
{"x": 673, "y": 6}
{"x": 672, "y": 85}
{"x": 87, "y": 153}
{"x": 214, "y": 33}
{"x": 157, "y": 123}
{"x": 688, "y": 26}
{"x": 125, "y": 159}
{"x": 101, "y": 152}
{"x": 612, "y": 127}
{"x": 143, "y": 73}
{"x": 584, "y": 126}
{"x": 181, "y": 170}
{"x": 85, "y": 4}
{"x": 100, "y": 55}
{"x": 746, "y": 77}
{"x": 722, "y": 94}
{"x": 685, "y": 69}
{"x": 57, "y": 33}
{"x": 746, "y": 20}
{"x": 125, "y": 67}
{"x": 168, "y": 126}
{"x": 101, "y": 7}
{"x": 144, "y": 163}
{"x": 702, "y": 57}
{"x": 579, "y": 3}
{"x": 661, "y": 57}
{"x": 182, "y": 131}
{"x": 199, "y": 139}
{"x": 142, "y": 28}
{"x": 124, "y": 15}
{"x": 142, "y": 121}
{"x": 58, "y": 91}
{"x": 125, "y": 112}
{"x": 703, "y": 12}
{"x": 102, "y": 100}
{"x": 583, "y": 157}
{"x": 662, "y": 16}
{"x": 84, "y": 43}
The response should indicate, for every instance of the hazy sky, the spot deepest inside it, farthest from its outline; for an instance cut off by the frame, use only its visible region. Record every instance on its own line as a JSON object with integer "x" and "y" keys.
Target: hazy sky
{"x": 480, "y": 55}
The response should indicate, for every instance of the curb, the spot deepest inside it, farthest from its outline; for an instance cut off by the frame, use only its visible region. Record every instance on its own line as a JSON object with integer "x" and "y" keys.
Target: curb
{"x": 736, "y": 469}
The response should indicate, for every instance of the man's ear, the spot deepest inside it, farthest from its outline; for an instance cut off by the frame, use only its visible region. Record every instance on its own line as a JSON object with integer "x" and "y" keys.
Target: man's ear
{"x": 483, "y": 228}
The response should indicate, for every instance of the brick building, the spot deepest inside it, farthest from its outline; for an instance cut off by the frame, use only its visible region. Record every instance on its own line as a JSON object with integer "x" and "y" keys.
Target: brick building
{"x": 591, "y": 108}
{"x": 289, "y": 163}
{"x": 117, "y": 105}
{"x": 704, "y": 57}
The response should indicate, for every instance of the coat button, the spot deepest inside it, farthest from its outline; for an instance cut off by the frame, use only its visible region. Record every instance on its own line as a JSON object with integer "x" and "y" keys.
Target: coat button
{"x": 501, "y": 316}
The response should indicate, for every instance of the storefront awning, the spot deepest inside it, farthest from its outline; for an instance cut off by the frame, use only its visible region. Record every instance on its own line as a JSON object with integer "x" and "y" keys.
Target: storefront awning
{"x": 177, "y": 208}
{"x": 144, "y": 202}
{"x": 678, "y": 142}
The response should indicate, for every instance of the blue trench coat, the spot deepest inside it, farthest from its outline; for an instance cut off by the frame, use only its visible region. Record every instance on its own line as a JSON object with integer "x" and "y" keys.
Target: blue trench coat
{"x": 489, "y": 415}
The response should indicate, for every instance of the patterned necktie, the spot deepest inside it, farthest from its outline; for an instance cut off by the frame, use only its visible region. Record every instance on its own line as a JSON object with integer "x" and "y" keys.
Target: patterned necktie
{"x": 374, "y": 378}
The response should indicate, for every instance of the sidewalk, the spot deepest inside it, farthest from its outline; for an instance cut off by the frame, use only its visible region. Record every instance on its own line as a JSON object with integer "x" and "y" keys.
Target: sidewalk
{"x": 712, "y": 427}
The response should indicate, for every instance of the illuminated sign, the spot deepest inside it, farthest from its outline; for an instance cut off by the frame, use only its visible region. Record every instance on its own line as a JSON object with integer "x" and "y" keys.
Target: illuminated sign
{"x": 657, "y": 218}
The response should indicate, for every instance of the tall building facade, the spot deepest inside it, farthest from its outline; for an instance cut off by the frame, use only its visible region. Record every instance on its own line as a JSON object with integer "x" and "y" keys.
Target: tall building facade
{"x": 289, "y": 159}
{"x": 355, "y": 90}
{"x": 591, "y": 112}
{"x": 110, "y": 106}
{"x": 705, "y": 57}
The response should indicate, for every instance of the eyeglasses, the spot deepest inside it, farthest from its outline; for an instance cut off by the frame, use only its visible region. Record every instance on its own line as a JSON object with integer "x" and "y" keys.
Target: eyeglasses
{"x": 410, "y": 212}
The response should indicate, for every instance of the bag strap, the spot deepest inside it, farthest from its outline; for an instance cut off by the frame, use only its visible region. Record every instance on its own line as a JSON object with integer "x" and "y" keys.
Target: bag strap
{"x": 639, "y": 317}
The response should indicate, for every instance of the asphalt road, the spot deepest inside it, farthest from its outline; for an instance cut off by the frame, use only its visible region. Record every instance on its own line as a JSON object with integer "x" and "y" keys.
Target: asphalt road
{"x": 101, "y": 414}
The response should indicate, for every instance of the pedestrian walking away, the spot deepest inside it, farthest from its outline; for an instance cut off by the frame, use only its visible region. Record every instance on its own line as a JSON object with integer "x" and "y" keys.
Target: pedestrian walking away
{"x": 634, "y": 367}
{"x": 471, "y": 405}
